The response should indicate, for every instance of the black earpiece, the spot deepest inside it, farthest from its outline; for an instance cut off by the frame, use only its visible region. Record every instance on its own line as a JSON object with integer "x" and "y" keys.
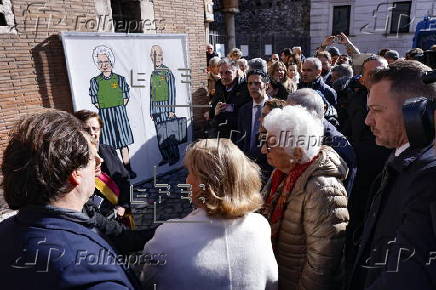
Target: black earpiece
{"x": 419, "y": 121}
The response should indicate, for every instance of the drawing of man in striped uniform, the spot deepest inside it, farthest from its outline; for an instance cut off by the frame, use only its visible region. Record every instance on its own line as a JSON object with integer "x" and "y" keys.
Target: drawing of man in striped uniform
{"x": 162, "y": 97}
{"x": 110, "y": 94}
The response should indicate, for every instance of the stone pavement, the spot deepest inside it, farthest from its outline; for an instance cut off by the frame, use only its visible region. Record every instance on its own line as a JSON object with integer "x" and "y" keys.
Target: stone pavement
{"x": 155, "y": 205}
{"x": 170, "y": 206}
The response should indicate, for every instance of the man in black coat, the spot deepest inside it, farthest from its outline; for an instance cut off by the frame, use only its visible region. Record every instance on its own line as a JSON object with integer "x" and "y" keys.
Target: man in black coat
{"x": 230, "y": 94}
{"x": 210, "y": 53}
{"x": 398, "y": 243}
{"x": 311, "y": 78}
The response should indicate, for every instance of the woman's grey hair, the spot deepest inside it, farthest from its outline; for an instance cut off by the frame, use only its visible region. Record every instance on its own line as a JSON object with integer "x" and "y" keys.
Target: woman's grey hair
{"x": 294, "y": 126}
{"x": 258, "y": 64}
{"x": 315, "y": 62}
{"x": 214, "y": 61}
{"x": 229, "y": 62}
{"x": 102, "y": 49}
{"x": 308, "y": 99}
{"x": 344, "y": 70}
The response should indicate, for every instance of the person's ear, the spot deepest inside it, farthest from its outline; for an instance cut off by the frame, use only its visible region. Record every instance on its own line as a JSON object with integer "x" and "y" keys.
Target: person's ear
{"x": 74, "y": 178}
{"x": 298, "y": 154}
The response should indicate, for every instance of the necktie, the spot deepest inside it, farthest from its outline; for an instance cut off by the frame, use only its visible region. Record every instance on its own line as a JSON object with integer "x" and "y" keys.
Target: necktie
{"x": 255, "y": 128}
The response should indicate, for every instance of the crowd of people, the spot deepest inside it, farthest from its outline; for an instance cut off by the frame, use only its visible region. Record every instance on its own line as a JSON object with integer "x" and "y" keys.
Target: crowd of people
{"x": 307, "y": 179}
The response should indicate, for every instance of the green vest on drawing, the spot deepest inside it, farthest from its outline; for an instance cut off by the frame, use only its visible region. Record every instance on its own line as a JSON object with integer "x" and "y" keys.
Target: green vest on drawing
{"x": 160, "y": 88}
{"x": 109, "y": 92}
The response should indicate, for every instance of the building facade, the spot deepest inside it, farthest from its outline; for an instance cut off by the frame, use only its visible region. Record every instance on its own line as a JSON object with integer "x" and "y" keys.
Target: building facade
{"x": 265, "y": 26}
{"x": 33, "y": 74}
{"x": 371, "y": 25}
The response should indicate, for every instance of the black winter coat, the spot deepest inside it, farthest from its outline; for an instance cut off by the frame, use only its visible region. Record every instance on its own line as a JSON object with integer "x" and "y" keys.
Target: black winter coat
{"x": 227, "y": 121}
{"x": 398, "y": 244}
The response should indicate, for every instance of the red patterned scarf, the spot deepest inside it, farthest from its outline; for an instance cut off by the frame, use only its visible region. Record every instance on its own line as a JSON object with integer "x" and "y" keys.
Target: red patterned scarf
{"x": 276, "y": 201}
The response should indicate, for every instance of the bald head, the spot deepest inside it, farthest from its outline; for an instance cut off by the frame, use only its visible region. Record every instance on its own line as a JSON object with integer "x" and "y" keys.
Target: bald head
{"x": 156, "y": 55}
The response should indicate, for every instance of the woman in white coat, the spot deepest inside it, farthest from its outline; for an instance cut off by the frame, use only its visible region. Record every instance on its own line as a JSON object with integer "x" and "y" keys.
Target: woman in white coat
{"x": 222, "y": 244}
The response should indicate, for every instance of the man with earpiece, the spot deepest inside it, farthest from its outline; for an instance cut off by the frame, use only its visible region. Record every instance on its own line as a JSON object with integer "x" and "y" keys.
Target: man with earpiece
{"x": 397, "y": 249}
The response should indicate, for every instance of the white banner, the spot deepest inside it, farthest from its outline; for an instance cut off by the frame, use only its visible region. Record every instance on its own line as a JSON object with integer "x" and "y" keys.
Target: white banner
{"x": 140, "y": 86}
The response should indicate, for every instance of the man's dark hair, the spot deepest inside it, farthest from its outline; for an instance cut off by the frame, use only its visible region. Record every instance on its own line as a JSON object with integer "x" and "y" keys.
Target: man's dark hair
{"x": 371, "y": 58}
{"x": 287, "y": 51}
{"x": 43, "y": 150}
{"x": 257, "y": 72}
{"x": 383, "y": 51}
{"x": 85, "y": 115}
{"x": 406, "y": 79}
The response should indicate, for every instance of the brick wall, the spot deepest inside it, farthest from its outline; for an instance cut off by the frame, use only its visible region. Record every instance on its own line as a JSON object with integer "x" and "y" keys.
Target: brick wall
{"x": 33, "y": 74}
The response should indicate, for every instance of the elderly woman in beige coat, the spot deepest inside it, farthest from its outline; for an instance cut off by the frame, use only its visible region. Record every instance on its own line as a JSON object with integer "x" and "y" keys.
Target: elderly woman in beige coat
{"x": 305, "y": 201}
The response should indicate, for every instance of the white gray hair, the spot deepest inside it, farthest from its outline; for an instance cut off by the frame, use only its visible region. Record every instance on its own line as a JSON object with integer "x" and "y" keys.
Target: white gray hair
{"x": 214, "y": 61}
{"x": 308, "y": 99}
{"x": 229, "y": 62}
{"x": 102, "y": 49}
{"x": 258, "y": 64}
{"x": 315, "y": 62}
{"x": 294, "y": 127}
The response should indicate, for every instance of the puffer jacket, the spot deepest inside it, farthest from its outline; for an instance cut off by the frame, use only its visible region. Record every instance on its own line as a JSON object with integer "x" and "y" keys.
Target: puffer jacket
{"x": 310, "y": 244}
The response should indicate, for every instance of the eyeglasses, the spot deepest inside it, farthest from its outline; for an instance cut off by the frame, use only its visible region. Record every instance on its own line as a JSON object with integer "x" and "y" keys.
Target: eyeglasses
{"x": 264, "y": 142}
{"x": 103, "y": 62}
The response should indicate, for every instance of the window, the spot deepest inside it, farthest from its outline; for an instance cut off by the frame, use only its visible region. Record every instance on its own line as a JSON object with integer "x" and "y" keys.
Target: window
{"x": 3, "y": 20}
{"x": 126, "y": 16}
{"x": 6, "y": 17}
{"x": 341, "y": 19}
{"x": 244, "y": 49}
{"x": 268, "y": 49}
{"x": 400, "y": 21}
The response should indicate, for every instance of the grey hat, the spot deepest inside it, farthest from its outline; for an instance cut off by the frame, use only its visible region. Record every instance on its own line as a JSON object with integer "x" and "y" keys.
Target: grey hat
{"x": 392, "y": 54}
{"x": 334, "y": 51}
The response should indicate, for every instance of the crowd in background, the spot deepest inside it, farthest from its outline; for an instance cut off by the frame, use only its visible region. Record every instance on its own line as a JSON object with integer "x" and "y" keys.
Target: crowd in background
{"x": 307, "y": 179}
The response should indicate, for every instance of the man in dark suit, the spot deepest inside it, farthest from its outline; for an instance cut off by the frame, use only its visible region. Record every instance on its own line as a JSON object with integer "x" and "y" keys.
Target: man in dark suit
{"x": 396, "y": 248}
{"x": 249, "y": 119}
{"x": 230, "y": 94}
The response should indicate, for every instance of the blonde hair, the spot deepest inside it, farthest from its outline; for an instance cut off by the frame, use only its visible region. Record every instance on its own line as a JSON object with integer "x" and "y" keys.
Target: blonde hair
{"x": 231, "y": 180}
{"x": 275, "y": 67}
